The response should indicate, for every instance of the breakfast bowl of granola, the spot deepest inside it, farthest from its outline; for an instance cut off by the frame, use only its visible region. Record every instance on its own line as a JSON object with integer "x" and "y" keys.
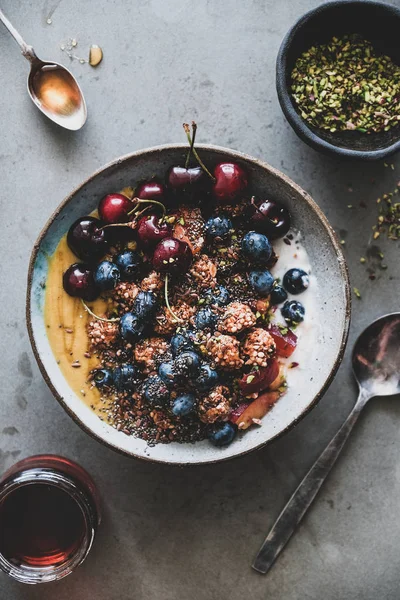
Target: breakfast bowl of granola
{"x": 187, "y": 304}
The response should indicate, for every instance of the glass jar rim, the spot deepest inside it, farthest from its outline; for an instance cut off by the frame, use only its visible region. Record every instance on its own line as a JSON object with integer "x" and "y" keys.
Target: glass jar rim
{"x": 25, "y": 573}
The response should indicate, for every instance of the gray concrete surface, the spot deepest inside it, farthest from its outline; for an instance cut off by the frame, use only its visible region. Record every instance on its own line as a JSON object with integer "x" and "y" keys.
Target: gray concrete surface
{"x": 171, "y": 533}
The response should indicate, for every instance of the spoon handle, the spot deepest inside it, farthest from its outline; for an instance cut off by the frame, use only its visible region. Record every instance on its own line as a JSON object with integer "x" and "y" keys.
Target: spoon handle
{"x": 302, "y": 498}
{"x": 26, "y": 50}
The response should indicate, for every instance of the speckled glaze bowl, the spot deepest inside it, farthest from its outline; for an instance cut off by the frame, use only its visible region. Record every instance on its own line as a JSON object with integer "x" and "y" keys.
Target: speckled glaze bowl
{"x": 328, "y": 266}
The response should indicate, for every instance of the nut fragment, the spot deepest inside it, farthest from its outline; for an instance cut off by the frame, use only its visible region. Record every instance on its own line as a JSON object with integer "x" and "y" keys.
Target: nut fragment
{"x": 95, "y": 55}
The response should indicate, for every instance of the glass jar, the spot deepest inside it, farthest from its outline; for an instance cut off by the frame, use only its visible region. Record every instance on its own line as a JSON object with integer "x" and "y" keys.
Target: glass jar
{"x": 49, "y": 515}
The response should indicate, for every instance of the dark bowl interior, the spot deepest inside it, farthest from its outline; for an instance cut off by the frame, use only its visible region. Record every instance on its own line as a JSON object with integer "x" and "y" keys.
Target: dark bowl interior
{"x": 377, "y": 22}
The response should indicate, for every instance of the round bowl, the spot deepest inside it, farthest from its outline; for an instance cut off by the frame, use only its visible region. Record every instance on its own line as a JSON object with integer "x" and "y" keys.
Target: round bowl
{"x": 377, "y": 22}
{"x": 333, "y": 301}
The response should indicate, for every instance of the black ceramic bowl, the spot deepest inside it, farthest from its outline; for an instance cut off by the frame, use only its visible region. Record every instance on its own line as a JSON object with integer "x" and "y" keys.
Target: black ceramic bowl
{"x": 377, "y": 22}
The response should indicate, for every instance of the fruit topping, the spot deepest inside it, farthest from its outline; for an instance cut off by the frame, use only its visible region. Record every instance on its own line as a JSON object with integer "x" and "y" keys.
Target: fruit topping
{"x": 230, "y": 182}
{"x": 103, "y": 378}
{"x": 87, "y": 239}
{"x": 150, "y": 231}
{"x": 205, "y": 319}
{"x": 131, "y": 327}
{"x": 207, "y": 379}
{"x": 261, "y": 282}
{"x": 269, "y": 217}
{"x": 285, "y": 340}
{"x": 129, "y": 263}
{"x": 184, "y": 340}
{"x": 78, "y": 281}
{"x": 172, "y": 256}
{"x": 126, "y": 378}
{"x": 293, "y": 312}
{"x": 217, "y": 296}
{"x": 106, "y": 275}
{"x": 167, "y": 373}
{"x": 255, "y": 411}
{"x": 278, "y": 295}
{"x": 256, "y": 248}
{"x": 151, "y": 190}
{"x": 187, "y": 365}
{"x": 218, "y": 228}
{"x": 145, "y": 305}
{"x": 260, "y": 379}
{"x": 114, "y": 208}
{"x": 155, "y": 391}
{"x": 183, "y": 406}
{"x": 222, "y": 434}
{"x": 296, "y": 281}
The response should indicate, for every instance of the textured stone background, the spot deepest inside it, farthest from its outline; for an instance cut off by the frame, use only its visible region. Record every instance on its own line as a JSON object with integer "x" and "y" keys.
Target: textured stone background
{"x": 171, "y": 533}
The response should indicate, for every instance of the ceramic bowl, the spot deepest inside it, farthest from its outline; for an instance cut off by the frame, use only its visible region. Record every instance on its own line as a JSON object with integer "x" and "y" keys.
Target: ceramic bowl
{"x": 333, "y": 302}
{"x": 377, "y": 22}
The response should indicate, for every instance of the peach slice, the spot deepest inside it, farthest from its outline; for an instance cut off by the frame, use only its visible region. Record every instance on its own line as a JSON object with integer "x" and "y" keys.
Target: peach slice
{"x": 256, "y": 410}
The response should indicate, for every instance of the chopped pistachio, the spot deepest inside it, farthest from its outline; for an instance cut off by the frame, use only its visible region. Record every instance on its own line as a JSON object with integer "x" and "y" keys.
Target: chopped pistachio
{"x": 357, "y": 293}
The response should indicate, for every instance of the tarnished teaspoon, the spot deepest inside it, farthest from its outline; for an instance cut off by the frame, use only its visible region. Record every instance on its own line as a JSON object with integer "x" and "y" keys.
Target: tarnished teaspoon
{"x": 376, "y": 366}
{"x": 52, "y": 87}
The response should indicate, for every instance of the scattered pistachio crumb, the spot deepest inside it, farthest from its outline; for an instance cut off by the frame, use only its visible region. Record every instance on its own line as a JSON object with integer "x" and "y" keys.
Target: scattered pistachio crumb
{"x": 357, "y": 293}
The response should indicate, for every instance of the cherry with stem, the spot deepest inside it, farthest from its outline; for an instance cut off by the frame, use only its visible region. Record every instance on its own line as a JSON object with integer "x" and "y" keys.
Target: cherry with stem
{"x": 193, "y": 149}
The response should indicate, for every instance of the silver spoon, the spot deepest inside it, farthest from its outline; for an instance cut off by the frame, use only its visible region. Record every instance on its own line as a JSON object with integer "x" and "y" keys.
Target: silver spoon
{"x": 52, "y": 87}
{"x": 376, "y": 366}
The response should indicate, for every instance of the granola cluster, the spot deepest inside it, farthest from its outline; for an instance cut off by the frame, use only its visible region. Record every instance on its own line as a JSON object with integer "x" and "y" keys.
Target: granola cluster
{"x": 224, "y": 352}
{"x": 166, "y": 323}
{"x": 101, "y": 334}
{"x": 150, "y": 352}
{"x": 236, "y": 318}
{"x": 216, "y": 405}
{"x": 258, "y": 347}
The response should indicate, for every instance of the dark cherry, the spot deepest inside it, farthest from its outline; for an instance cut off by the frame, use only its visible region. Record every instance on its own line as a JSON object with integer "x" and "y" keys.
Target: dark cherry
{"x": 182, "y": 179}
{"x": 172, "y": 256}
{"x": 150, "y": 232}
{"x": 114, "y": 208}
{"x": 230, "y": 181}
{"x": 269, "y": 217}
{"x": 78, "y": 281}
{"x": 86, "y": 238}
{"x": 151, "y": 190}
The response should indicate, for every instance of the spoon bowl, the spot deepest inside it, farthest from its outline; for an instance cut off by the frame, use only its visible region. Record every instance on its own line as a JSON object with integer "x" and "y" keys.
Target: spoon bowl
{"x": 52, "y": 88}
{"x": 376, "y": 357}
{"x": 57, "y": 94}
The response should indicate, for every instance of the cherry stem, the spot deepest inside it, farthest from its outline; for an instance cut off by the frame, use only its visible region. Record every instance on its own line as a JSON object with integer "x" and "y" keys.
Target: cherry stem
{"x": 186, "y": 128}
{"x": 85, "y": 306}
{"x": 177, "y": 319}
{"x": 189, "y": 137}
{"x": 139, "y": 201}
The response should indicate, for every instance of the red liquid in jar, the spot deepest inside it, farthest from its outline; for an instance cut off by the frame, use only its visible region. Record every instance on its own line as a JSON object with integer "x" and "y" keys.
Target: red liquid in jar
{"x": 40, "y": 525}
{"x": 49, "y": 514}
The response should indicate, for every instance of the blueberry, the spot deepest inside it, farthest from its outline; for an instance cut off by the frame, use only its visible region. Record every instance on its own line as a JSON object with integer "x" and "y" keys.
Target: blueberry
{"x": 167, "y": 373}
{"x": 131, "y": 327}
{"x": 126, "y": 378}
{"x": 262, "y": 282}
{"x": 183, "y": 405}
{"x": 106, "y": 275}
{"x": 296, "y": 281}
{"x": 257, "y": 248}
{"x": 187, "y": 364}
{"x": 207, "y": 379}
{"x": 145, "y": 304}
{"x": 182, "y": 341}
{"x": 222, "y": 434}
{"x": 205, "y": 319}
{"x": 129, "y": 263}
{"x": 155, "y": 391}
{"x": 293, "y": 311}
{"x": 219, "y": 296}
{"x": 103, "y": 378}
{"x": 278, "y": 295}
{"x": 218, "y": 227}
